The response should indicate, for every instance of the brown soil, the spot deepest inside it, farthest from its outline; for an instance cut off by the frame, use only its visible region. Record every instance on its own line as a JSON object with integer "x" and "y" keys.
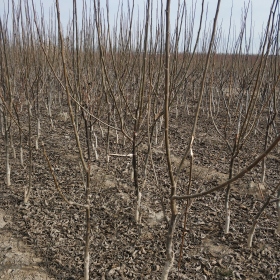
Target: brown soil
{"x": 18, "y": 260}
{"x": 44, "y": 239}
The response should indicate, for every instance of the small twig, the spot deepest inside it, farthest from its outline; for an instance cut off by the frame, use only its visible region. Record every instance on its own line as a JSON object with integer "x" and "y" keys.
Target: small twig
{"x": 253, "y": 228}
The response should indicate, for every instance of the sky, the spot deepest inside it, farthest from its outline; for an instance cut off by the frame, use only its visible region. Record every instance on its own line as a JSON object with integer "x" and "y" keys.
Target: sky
{"x": 258, "y": 14}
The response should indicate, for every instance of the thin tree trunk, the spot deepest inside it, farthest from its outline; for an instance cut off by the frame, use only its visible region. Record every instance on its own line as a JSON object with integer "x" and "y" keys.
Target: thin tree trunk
{"x": 38, "y": 133}
{"x": 169, "y": 249}
{"x": 253, "y": 227}
{"x": 278, "y": 210}
{"x": 27, "y": 190}
{"x": 8, "y": 167}
{"x": 87, "y": 243}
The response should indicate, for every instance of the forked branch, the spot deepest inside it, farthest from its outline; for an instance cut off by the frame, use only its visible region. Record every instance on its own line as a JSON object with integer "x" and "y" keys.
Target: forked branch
{"x": 238, "y": 176}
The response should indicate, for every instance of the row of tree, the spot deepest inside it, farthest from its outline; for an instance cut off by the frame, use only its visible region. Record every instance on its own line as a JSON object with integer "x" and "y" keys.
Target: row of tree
{"x": 128, "y": 81}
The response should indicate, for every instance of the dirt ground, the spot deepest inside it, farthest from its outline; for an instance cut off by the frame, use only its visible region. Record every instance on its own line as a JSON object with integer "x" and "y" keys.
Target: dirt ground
{"x": 44, "y": 239}
{"x": 18, "y": 260}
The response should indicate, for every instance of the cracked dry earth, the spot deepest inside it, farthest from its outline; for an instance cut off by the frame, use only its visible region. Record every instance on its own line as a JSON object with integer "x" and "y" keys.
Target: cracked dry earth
{"x": 44, "y": 239}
